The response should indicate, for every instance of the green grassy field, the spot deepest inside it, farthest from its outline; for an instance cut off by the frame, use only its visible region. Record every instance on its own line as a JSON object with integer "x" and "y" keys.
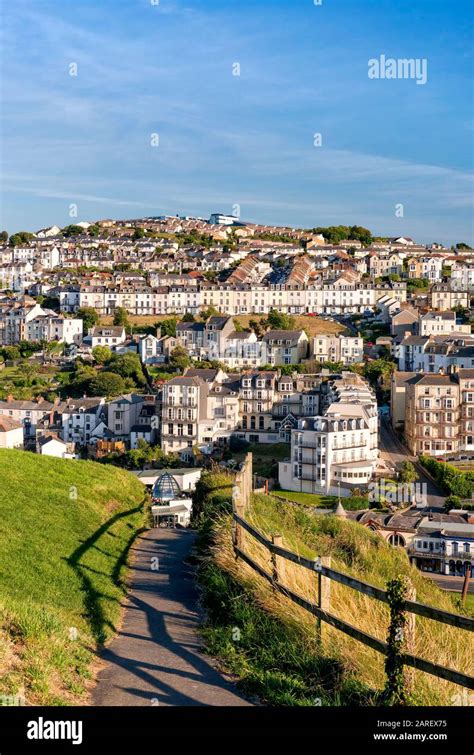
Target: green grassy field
{"x": 265, "y": 457}
{"x": 65, "y": 531}
{"x": 307, "y": 499}
{"x": 469, "y": 603}
{"x": 16, "y": 381}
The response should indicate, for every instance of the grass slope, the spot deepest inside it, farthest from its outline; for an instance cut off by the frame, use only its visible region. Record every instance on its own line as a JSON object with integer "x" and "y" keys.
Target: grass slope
{"x": 307, "y": 499}
{"x": 314, "y": 325}
{"x": 65, "y": 531}
{"x": 269, "y": 643}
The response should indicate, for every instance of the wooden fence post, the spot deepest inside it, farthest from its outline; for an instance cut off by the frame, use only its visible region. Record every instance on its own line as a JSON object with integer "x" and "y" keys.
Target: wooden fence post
{"x": 277, "y": 563}
{"x": 324, "y": 593}
{"x": 410, "y": 632}
{"x": 465, "y": 586}
{"x": 401, "y": 638}
{"x": 237, "y": 508}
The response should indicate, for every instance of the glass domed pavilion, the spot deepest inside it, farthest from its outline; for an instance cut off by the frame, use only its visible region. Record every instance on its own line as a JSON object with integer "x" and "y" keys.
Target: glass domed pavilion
{"x": 165, "y": 489}
{"x": 171, "y": 506}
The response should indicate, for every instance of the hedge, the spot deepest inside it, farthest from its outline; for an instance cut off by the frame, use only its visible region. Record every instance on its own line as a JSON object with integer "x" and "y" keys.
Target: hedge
{"x": 453, "y": 481}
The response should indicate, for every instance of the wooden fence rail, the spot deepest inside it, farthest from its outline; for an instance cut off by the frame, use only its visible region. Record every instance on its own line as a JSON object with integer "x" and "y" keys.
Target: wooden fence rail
{"x": 323, "y": 615}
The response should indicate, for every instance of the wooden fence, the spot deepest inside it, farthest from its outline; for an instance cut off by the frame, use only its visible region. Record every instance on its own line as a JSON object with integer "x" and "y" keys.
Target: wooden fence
{"x": 322, "y": 566}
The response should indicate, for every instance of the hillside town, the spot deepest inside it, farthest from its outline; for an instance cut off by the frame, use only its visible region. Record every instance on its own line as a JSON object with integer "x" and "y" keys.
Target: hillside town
{"x": 168, "y": 344}
{"x": 236, "y": 374}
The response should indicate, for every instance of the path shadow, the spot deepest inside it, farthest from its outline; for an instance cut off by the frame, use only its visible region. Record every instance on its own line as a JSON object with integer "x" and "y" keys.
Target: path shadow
{"x": 93, "y": 598}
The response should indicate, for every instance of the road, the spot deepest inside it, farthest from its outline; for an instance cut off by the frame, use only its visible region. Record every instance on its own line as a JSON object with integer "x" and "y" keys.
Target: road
{"x": 156, "y": 658}
{"x": 446, "y": 582}
{"x": 395, "y": 453}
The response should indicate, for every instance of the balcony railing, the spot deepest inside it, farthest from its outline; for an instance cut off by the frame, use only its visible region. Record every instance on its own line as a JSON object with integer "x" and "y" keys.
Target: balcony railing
{"x": 320, "y": 460}
{"x": 348, "y": 445}
{"x": 413, "y": 550}
{"x": 311, "y": 478}
{"x": 308, "y": 444}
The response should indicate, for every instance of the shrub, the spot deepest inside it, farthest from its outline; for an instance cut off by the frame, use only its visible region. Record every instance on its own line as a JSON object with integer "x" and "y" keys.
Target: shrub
{"x": 453, "y": 502}
{"x": 238, "y": 445}
{"x": 454, "y": 481}
{"x": 355, "y": 503}
{"x": 212, "y": 496}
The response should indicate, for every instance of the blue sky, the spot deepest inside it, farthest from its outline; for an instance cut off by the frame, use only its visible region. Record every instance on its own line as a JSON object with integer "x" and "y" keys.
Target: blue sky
{"x": 243, "y": 140}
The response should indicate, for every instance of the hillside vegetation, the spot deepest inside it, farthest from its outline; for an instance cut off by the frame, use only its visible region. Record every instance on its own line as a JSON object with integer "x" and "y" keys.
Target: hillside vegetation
{"x": 65, "y": 531}
{"x": 270, "y": 644}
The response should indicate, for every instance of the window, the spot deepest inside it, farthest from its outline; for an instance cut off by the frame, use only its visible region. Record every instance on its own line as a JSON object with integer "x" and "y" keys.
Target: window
{"x": 396, "y": 540}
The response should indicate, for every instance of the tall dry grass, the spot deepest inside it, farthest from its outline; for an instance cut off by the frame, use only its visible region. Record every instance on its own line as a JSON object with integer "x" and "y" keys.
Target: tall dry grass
{"x": 359, "y": 553}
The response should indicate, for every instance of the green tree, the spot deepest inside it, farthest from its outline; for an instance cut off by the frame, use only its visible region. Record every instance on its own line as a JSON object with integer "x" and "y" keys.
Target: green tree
{"x": 106, "y": 384}
{"x": 22, "y": 237}
{"x": 379, "y": 369}
{"x": 359, "y": 233}
{"x": 3, "y": 237}
{"x": 27, "y": 348}
{"x": 257, "y": 327}
{"x": 209, "y": 312}
{"x": 101, "y": 354}
{"x": 462, "y": 313}
{"x": 127, "y": 366}
{"x": 28, "y": 372}
{"x": 51, "y": 302}
{"x": 139, "y": 233}
{"x": 72, "y": 230}
{"x": 168, "y": 327}
{"x": 89, "y": 317}
{"x": 333, "y": 366}
{"x": 280, "y": 320}
{"x": 408, "y": 473}
{"x": 453, "y": 502}
{"x": 11, "y": 352}
{"x": 179, "y": 358}
{"x": 334, "y": 234}
{"x": 121, "y": 317}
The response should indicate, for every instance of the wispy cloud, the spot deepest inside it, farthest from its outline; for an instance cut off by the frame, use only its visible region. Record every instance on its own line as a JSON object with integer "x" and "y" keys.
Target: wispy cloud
{"x": 227, "y": 139}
